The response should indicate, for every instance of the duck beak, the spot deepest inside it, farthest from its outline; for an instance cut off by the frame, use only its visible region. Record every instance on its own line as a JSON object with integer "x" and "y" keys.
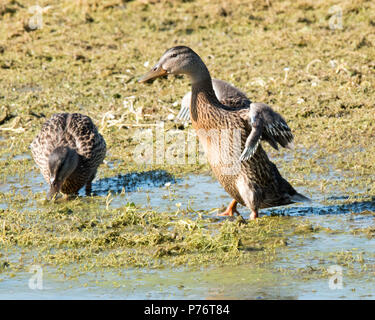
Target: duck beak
{"x": 51, "y": 193}
{"x": 155, "y": 72}
{"x": 54, "y": 189}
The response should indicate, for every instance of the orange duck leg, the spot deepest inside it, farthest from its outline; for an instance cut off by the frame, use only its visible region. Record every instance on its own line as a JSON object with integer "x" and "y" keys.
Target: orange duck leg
{"x": 232, "y": 208}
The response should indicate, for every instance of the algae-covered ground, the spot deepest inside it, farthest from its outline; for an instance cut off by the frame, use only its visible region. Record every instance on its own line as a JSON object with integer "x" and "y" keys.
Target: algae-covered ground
{"x": 312, "y": 61}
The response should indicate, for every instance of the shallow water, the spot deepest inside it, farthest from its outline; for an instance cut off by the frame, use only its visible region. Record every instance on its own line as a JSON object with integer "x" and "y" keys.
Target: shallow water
{"x": 192, "y": 191}
{"x": 159, "y": 190}
{"x": 240, "y": 282}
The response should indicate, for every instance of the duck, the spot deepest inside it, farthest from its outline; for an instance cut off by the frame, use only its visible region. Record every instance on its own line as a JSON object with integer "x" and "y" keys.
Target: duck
{"x": 68, "y": 151}
{"x": 229, "y": 95}
{"x": 231, "y": 137}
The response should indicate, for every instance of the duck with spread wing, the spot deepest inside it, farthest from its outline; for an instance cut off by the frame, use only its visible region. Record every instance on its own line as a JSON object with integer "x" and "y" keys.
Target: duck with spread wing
{"x": 231, "y": 137}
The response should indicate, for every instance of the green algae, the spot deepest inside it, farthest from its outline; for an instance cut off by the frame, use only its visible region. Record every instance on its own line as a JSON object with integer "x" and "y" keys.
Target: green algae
{"x": 77, "y": 232}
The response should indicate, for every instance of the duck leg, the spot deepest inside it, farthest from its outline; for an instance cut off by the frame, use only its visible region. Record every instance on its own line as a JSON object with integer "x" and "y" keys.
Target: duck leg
{"x": 254, "y": 214}
{"x": 231, "y": 209}
{"x": 88, "y": 188}
{"x": 89, "y": 184}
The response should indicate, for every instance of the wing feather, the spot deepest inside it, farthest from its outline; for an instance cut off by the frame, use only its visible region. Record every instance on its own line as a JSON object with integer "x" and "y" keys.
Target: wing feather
{"x": 268, "y": 125}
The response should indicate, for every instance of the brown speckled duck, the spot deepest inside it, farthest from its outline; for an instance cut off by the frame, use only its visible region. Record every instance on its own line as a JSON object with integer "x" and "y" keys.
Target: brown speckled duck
{"x": 231, "y": 137}
{"x": 68, "y": 151}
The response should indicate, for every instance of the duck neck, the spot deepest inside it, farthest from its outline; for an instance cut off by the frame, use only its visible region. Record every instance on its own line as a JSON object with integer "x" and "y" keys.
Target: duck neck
{"x": 203, "y": 94}
{"x": 63, "y": 161}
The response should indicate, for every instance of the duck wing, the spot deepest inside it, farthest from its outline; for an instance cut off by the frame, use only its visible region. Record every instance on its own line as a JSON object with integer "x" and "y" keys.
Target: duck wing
{"x": 184, "y": 114}
{"x": 90, "y": 144}
{"x": 268, "y": 125}
{"x": 50, "y": 137}
{"x": 226, "y": 93}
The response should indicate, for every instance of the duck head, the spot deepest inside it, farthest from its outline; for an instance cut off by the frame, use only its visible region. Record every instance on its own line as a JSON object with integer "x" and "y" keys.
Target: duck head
{"x": 178, "y": 60}
{"x": 61, "y": 164}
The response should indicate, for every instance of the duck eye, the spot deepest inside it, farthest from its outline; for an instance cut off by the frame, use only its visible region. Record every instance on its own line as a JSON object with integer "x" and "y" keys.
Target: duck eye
{"x": 174, "y": 55}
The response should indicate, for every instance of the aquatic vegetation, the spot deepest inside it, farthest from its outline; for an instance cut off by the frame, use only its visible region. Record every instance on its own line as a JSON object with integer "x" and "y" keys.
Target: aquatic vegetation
{"x": 77, "y": 232}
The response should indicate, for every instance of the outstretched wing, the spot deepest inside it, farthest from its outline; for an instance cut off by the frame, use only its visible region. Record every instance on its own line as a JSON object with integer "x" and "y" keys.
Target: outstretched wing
{"x": 226, "y": 93}
{"x": 266, "y": 125}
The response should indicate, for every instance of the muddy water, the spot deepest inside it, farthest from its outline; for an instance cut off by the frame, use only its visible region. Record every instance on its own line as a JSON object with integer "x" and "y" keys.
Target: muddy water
{"x": 159, "y": 190}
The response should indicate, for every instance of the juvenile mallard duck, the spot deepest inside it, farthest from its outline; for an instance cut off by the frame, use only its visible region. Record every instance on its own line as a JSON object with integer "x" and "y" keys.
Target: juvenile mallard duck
{"x": 68, "y": 151}
{"x": 233, "y": 97}
{"x": 231, "y": 136}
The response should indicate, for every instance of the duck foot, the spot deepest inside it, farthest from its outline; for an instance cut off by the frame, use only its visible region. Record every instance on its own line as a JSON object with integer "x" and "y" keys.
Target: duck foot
{"x": 231, "y": 210}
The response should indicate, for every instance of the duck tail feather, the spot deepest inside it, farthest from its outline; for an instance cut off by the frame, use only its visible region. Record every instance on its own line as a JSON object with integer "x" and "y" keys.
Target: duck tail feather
{"x": 300, "y": 198}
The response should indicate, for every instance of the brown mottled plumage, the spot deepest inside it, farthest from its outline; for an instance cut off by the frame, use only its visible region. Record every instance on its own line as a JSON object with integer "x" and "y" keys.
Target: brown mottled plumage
{"x": 226, "y": 93}
{"x": 68, "y": 151}
{"x": 231, "y": 136}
